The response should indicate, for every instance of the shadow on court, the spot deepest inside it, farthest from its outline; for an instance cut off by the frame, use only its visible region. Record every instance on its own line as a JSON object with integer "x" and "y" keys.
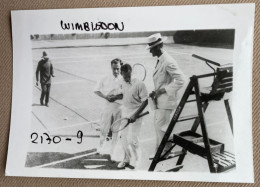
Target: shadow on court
{"x": 36, "y": 104}
{"x": 84, "y": 160}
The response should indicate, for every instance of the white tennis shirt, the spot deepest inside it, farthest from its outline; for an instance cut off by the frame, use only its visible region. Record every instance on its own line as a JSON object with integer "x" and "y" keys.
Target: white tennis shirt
{"x": 134, "y": 93}
{"x": 110, "y": 85}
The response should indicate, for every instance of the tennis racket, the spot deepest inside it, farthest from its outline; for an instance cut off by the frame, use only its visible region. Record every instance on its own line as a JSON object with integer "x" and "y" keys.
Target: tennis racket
{"x": 139, "y": 71}
{"x": 124, "y": 122}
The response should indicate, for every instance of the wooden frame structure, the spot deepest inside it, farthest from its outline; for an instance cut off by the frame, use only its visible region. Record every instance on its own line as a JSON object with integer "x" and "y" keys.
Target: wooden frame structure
{"x": 218, "y": 159}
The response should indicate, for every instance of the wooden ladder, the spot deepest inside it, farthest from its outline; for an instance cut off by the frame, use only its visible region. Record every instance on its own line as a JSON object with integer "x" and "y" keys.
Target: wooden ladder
{"x": 218, "y": 159}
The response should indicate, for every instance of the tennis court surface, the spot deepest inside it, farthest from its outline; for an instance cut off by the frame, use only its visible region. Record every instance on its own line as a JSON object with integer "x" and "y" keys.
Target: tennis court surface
{"x": 74, "y": 107}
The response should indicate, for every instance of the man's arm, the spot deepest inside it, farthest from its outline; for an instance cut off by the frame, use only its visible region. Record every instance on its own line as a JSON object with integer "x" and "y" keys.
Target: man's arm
{"x": 37, "y": 73}
{"x": 98, "y": 89}
{"x": 100, "y": 94}
{"x": 143, "y": 95}
{"x": 171, "y": 89}
{"x": 159, "y": 92}
{"x": 52, "y": 72}
{"x": 116, "y": 97}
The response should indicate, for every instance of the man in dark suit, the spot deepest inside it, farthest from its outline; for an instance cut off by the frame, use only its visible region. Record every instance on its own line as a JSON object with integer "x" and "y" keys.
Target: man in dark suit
{"x": 45, "y": 69}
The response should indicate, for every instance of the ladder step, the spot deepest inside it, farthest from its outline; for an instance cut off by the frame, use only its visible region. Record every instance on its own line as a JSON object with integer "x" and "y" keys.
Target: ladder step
{"x": 194, "y": 143}
{"x": 176, "y": 168}
{"x": 197, "y": 140}
{"x": 224, "y": 161}
{"x": 175, "y": 154}
{"x": 193, "y": 100}
{"x": 229, "y": 154}
{"x": 171, "y": 155}
{"x": 213, "y": 148}
{"x": 185, "y": 118}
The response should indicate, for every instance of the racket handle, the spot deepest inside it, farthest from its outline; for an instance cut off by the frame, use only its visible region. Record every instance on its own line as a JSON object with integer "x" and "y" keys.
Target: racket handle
{"x": 143, "y": 114}
{"x": 152, "y": 94}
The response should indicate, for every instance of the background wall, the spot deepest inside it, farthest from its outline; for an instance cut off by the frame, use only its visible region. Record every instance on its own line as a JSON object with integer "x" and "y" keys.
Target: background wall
{"x": 206, "y": 38}
{"x": 103, "y": 35}
{"x": 6, "y": 88}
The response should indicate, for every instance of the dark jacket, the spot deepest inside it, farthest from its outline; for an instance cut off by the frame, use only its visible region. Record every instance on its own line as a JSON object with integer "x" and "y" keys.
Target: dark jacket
{"x": 46, "y": 71}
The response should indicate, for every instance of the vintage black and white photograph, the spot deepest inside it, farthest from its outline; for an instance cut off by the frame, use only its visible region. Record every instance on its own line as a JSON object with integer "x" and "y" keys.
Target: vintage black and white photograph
{"x": 162, "y": 97}
{"x": 154, "y": 101}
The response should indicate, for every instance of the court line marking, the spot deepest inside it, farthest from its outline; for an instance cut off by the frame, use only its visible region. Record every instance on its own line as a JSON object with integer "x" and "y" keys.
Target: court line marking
{"x": 102, "y": 59}
{"x": 93, "y": 166}
{"x": 64, "y": 160}
{"x": 92, "y": 159}
{"x": 94, "y": 56}
{"x": 57, "y": 69}
{"x": 107, "y": 57}
{"x": 74, "y": 125}
{"x": 84, "y": 136}
{"x": 81, "y": 58}
{"x": 40, "y": 122}
{"x": 65, "y": 106}
{"x": 68, "y": 81}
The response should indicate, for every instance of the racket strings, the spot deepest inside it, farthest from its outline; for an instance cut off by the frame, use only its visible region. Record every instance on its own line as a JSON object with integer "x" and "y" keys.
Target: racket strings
{"x": 119, "y": 125}
{"x": 139, "y": 71}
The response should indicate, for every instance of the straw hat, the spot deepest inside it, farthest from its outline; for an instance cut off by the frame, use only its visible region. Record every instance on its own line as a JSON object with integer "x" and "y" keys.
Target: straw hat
{"x": 155, "y": 40}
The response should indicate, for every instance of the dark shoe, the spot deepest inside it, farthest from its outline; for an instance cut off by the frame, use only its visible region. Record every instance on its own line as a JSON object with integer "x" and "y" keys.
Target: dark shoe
{"x": 46, "y": 105}
{"x": 113, "y": 161}
{"x": 41, "y": 102}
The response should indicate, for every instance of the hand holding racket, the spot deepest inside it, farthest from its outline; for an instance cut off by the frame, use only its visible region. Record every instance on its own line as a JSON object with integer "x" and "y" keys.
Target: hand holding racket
{"x": 124, "y": 122}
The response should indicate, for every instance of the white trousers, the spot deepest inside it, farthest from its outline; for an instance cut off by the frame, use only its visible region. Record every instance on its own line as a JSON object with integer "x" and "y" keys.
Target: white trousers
{"x": 130, "y": 140}
{"x": 111, "y": 113}
{"x": 162, "y": 118}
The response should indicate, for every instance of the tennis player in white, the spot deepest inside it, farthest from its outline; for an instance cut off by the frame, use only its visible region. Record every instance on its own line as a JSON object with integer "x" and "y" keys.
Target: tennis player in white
{"x": 109, "y": 85}
{"x": 134, "y": 94}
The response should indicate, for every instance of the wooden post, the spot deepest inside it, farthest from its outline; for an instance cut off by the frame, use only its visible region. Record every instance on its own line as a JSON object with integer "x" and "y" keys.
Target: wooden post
{"x": 203, "y": 128}
{"x": 230, "y": 118}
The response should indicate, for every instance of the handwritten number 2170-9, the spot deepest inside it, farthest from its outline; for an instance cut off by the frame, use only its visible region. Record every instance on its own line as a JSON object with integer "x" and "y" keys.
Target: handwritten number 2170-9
{"x": 55, "y": 139}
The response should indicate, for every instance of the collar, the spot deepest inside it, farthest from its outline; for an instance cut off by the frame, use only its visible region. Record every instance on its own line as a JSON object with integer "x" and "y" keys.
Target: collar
{"x": 160, "y": 58}
{"x": 113, "y": 77}
{"x": 133, "y": 80}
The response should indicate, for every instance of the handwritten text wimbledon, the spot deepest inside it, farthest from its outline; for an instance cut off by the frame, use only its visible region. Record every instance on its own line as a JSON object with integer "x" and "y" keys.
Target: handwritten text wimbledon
{"x": 90, "y": 26}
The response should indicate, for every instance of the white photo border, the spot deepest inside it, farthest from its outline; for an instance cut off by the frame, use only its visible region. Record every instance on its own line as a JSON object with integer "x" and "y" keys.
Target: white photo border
{"x": 229, "y": 16}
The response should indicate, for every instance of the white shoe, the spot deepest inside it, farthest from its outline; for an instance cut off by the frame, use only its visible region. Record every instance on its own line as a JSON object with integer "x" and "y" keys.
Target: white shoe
{"x": 100, "y": 151}
{"x": 122, "y": 165}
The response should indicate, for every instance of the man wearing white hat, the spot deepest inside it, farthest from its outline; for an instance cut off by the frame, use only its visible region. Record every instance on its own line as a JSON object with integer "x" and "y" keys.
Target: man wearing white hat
{"x": 45, "y": 69}
{"x": 168, "y": 79}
